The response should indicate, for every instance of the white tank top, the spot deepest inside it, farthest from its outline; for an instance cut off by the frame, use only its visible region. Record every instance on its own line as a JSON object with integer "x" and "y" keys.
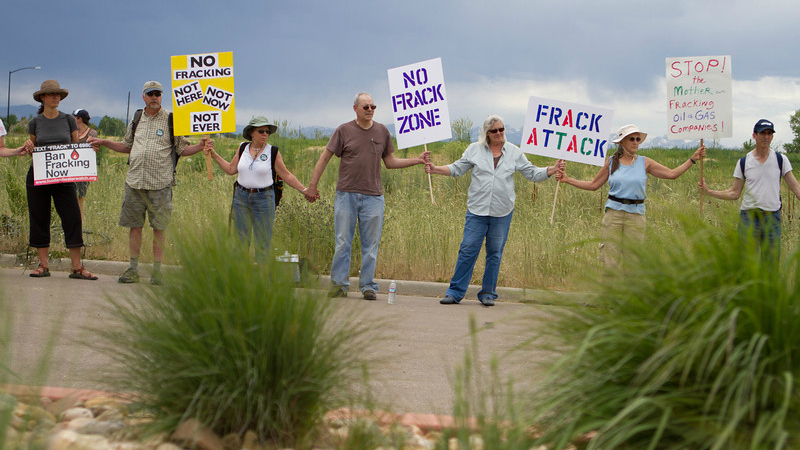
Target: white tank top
{"x": 255, "y": 174}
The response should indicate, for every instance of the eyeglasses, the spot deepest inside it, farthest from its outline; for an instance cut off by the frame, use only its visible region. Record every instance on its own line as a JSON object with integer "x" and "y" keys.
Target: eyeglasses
{"x": 497, "y": 130}
{"x": 635, "y": 139}
{"x": 368, "y": 107}
{"x": 154, "y": 94}
{"x": 262, "y": 131}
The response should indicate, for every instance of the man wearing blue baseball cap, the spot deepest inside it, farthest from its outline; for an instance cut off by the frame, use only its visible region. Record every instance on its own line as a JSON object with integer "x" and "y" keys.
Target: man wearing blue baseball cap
{"x": 760, "y": 173}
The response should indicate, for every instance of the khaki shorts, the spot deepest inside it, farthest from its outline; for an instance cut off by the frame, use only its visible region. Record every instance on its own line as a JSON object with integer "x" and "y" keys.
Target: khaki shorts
{"x": 156, "y": 205}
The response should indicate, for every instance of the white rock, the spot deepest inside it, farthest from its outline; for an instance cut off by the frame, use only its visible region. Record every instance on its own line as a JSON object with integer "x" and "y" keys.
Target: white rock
{"x": 80, "y": 422}
{"x": 76, "y": 413}
{"x": 70, "y": 440}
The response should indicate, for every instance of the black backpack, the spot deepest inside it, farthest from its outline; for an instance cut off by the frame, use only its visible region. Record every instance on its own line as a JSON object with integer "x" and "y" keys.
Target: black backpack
{"x": 137, "y": 116}
{"x": 277, "y": 182}
{"x": 780, "y": 165}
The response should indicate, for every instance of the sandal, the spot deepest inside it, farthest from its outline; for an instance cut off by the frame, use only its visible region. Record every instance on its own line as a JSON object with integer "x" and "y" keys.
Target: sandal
{"x": 82, "y": 274}
{"x": 40, "y": 272}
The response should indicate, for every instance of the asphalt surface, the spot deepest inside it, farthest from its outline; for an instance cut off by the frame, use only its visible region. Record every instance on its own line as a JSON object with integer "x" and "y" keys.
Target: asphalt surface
{"x": 419, "y": 345}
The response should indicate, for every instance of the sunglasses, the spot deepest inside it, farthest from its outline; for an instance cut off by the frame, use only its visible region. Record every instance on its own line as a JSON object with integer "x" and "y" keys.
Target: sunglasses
{"x": 262, "y": 131}
{"x": 154, "y": 94}
{"x": 368, "y": 107}
{"x": 635, "y": 139}
{"x": 497, "y": 130}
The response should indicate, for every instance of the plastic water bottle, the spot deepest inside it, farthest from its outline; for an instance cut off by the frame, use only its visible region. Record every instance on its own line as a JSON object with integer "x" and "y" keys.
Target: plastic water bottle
{"x": 392, "y": 293}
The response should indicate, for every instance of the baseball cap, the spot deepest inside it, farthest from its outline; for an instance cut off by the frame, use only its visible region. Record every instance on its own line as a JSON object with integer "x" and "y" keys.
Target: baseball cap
{"x": 82, "y": 113}
{"x": 151, "y": 86}
{"x": 762, "y": 125}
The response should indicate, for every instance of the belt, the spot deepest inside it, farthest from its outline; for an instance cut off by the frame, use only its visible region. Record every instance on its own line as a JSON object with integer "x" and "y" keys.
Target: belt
{"x": 626, "y": 201}
{"x": 251, "y": 190}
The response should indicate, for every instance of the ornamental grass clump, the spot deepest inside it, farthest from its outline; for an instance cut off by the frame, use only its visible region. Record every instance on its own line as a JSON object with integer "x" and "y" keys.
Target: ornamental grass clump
{"x": 694, "y": 345}
{"x": 236, "y": 346}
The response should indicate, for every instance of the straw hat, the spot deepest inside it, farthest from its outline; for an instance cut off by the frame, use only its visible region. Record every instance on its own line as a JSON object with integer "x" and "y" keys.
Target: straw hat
{"x": 49, "y": 87}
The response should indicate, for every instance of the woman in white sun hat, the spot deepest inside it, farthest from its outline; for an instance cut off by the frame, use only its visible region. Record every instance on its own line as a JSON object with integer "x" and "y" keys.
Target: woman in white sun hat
{"x": 626, "y": 173}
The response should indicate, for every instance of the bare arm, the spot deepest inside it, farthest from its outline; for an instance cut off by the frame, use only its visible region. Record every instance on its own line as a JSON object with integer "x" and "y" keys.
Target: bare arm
{"x": 391, "y": 162}
{"x": 660, "y": 171}
{"x": 793, "y": 184}
{"x": 437, "y": 170}
{"x": 729, "y": 194}
{"x": 597, "y": 181}
{"x": 118, "y": 147}
{"x": 231, "y": 168}
{"x": 5, "y": 152}
{"x": 197, "y": 148}
{"x": 287, "y": 176}
{"x": 322, "y": 162}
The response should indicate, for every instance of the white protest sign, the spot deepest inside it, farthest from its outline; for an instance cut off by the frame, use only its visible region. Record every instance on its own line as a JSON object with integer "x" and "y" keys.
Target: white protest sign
{"x": 64, "y": 164}
{"x": 567, "y": 131}
{"x": 699, "y": 97}
{"x": 419, "y": 103}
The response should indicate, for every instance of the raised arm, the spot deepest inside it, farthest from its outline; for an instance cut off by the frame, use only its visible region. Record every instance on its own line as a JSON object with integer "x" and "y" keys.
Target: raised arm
{"x": 118, "y": 147}
{"x": 231, "y": 168}
{"x": 660, "y": 171}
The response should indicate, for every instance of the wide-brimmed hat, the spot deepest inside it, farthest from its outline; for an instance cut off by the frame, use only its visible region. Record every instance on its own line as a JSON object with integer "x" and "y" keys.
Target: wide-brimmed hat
{"x": 50, "y": 87}
{"x": 256, "y": 122}
{"x": 626, "y": 130}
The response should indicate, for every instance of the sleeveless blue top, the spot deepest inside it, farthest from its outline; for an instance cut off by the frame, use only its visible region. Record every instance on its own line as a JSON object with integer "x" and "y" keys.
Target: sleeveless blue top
{"x": 628, "y": 182}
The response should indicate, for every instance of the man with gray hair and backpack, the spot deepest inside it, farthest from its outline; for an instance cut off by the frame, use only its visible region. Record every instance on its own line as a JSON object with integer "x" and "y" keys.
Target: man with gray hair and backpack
{"x": 154, "y": 149}
{"x": 759, "y": 173}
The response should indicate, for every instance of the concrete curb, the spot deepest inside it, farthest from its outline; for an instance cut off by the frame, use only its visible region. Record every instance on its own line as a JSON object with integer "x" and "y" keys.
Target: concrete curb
{"x": 404, "y": 287}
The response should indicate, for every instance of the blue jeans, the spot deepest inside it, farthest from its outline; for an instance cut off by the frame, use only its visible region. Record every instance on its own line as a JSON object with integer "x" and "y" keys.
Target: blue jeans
{"x": 476, "y": 228}
{"x": 255, "y": 212}
{"x": 765, "y": 228}
{"x": 367, "y": 210}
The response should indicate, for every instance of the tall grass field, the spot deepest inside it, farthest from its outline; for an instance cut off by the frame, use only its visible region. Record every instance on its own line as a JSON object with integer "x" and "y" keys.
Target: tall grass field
{"x": 420, "y": 238}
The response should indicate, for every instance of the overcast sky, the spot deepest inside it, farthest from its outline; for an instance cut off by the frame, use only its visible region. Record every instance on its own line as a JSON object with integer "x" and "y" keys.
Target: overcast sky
{"x": 303, "y": 61}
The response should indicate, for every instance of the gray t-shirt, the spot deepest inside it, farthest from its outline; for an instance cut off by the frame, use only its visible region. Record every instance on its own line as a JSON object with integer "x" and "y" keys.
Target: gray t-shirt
{"x": 53, "y": 131}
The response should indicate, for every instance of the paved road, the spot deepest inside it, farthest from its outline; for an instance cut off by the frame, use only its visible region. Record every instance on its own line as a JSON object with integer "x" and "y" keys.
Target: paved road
{"x": 427, "y": 340}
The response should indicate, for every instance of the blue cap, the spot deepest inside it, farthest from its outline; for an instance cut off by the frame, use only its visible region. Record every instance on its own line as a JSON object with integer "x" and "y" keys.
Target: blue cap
{"x": 762, "y": 125}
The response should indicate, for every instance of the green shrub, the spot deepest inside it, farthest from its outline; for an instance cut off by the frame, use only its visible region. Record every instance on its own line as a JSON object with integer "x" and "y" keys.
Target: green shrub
{"x": 695, "y": 346}
{"x": 235, "y": 346}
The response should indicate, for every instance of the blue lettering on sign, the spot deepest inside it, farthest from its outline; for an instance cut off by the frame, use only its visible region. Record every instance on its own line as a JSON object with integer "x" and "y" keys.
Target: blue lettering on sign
{"x": 419, "y": 121}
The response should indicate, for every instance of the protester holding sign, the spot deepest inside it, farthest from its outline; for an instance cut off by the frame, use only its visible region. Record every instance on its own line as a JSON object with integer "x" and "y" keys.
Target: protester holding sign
{"x": 5, "y": 152}
{"x": 153, "y": 150}
{"x": 52, "y": 127}
{"x": 626, "y": 174}
{"x": 759, "y": 175}
{"x": 254, "y": 191}
{"x": 490, "y": 205}
{"x": 84, "y": 133}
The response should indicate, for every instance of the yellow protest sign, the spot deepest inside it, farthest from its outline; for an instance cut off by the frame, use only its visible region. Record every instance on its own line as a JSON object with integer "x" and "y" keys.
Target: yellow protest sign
{"x": 203, "y": 99}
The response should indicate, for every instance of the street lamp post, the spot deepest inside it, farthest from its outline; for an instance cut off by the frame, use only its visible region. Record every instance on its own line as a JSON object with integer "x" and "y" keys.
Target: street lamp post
{"x": 8, "y": 105}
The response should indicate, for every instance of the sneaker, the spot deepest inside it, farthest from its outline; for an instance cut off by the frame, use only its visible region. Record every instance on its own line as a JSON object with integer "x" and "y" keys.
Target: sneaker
{"x": 448, "y": 300}
{"x": 337, "y": 291}
{"x": 156, "y": 279}
{"x": 130, "y": 276}
{"x": 486, "y": 301}
{"x": 369, "y": 294}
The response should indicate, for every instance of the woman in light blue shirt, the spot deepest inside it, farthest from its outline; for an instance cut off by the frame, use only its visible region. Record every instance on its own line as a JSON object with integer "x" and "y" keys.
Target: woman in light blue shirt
{"x": 626, "y": 174}
{"x": 490, "y": 205}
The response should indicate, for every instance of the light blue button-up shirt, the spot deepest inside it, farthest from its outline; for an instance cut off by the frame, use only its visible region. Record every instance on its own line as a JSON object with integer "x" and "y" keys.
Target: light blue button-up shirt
{"x": 491, "y": 192}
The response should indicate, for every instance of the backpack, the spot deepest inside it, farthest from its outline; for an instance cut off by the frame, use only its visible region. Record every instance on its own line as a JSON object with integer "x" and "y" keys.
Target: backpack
{"x": 277, "y": 182}
{"x": 137, "y": 116}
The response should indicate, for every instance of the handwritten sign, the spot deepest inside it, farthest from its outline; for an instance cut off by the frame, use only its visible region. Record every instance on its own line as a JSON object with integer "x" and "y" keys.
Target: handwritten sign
{"x": 567, "y": 131}
{"x": 419, "y": 103}
{"x": 64, "y": 164}
{"x": 699, "y": 97}
{"x": 202, "y": 94}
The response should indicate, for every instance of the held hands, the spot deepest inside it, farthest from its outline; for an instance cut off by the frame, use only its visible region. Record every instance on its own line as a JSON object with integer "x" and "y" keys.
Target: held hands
{"x": 702, "y": 185}
{"x": 559, "y": 165}
{"x": 208, "y": 145}
{"x": 311, "y": 193}
{"x": 424, "y": 157}
{"x": 27, "y": 148}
